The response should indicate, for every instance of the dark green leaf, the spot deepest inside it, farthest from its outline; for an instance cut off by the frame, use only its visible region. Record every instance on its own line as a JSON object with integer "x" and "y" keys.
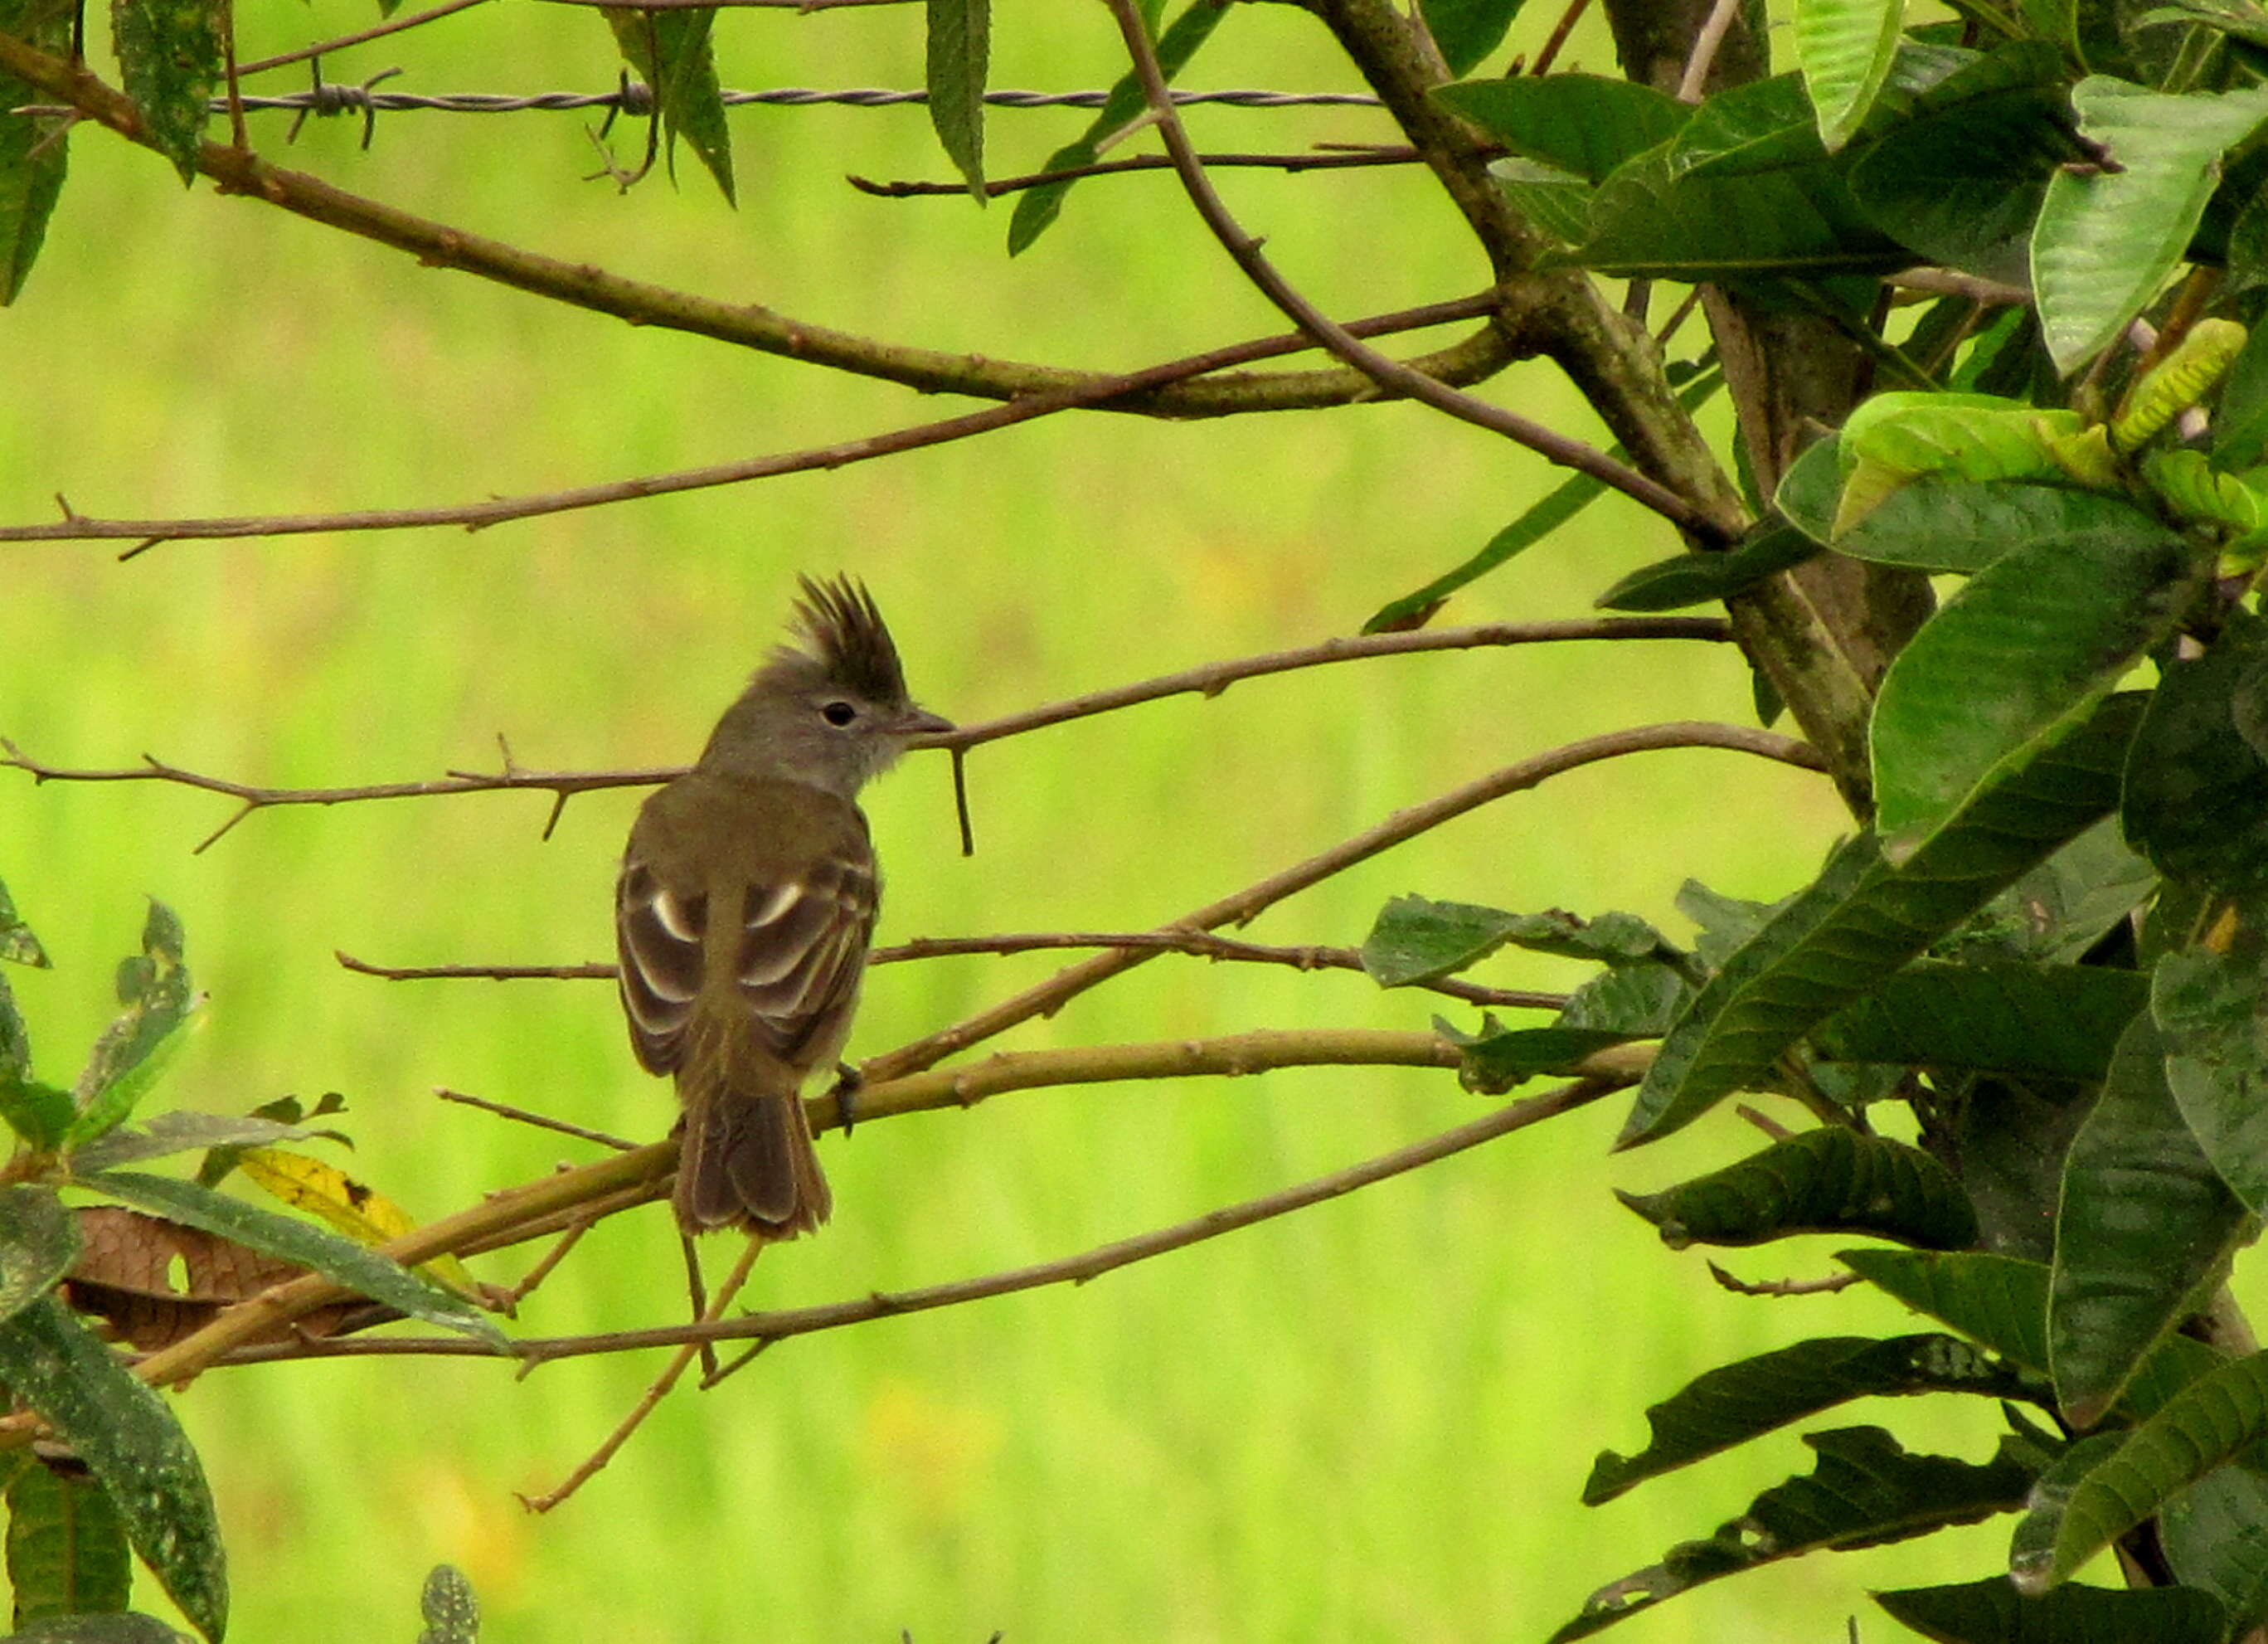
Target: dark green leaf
{"x": 1565, "y": 502}
{"x": 2014, "y": 663}
{"x": 2196, "y": 790}
{"x": 2073, "y": 900}
{"x": 2003, "y": 1303}
{"x": 1586, "y": 124}
{"x": 2056, "y": 1021}
{"x": 2215, "y": 1535}
{"x": 1827, "y": 1180}
{"x": 341, "y": 1260}
{"x": 1990, "y": 1612}
{"x": 1498, "y": 1058}
{"x": 2211, "y": 1012}
{"x": 1726, "y": 924}
{"x": 169, "y": 59}
{"x": 39, "y": 1241}
{"x": 673, "y": 52}
{"x": 1938, "y": 523}
{"x": 124, "y": 1626}
{"x": 1730, "y": 1405}
{"x": 1559, "y": 203}
{"x": 2106, "y": 239}
{"x": 2033, "y": 1537}
{"x": 1418, "y": 941}
{"x": 182, "y": 1130}
{"x": 37, "y": 1113}
{"x": 2210, "y": 1422}
{"x": 1669, "y": 585}
{"x": 1863, "y": 921}
{"x": 1467, "y": 31}
{"x": 960, "y": 49}
{"x": 154, "y": 988}
{"x": 1039, "y": 207}
{"x": 1766, "y": 125}
{"x": 2240, "y": 427}
{"x": 128, "y": 1436}
{"x": 1846, "y": 47}
{"x": 1811, "y": 488}
{"x": 67, "y": 1549}
{"x": 451, "y": 1610}
{"x": 1866, "y": 1490}
{"x": 33, "y": 158}
{"x": 2144, "y": 1223}
{"x": 18, "y": 945}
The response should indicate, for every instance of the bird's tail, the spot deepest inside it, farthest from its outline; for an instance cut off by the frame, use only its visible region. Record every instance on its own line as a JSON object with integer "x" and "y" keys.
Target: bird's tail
{"x": 747, "y": 1160}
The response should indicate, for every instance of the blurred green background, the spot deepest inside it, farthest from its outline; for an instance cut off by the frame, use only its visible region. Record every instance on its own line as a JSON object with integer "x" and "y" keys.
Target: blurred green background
{"x": 1368, "y": 1421}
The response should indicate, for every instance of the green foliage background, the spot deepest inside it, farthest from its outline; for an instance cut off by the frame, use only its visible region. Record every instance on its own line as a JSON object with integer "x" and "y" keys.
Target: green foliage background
{"x": 1368, "y": 1421}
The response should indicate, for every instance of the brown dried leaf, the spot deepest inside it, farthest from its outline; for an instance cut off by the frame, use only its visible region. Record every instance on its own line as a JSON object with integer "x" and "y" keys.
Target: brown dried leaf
{"x": 155, "y": 1281}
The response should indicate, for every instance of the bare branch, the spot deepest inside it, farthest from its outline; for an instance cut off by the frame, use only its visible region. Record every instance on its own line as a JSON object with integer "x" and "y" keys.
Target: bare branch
{"x": 1390, "y": 374}
{"x": 392, "y": 25}
{"x": 994, "y": 188}
{"x": 1952, "y": 283}
{"x": 1824, "y": 1285}
{"x": 1093, "y": 393}
{"x": 1208, "y": 680}
{"x": 1557, "y": 38}
{"x": 1089, "y": 1264}
{"x": 1199, "y": 942}
{"x": 1065, "y": 985}
{"x": 1706, "y": 44}
{"x": 540, "y": 1121}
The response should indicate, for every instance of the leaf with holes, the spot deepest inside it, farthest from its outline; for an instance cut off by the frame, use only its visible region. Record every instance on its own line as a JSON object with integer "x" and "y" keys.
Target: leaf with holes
{"x": 1418, "y": 941}
{"x": 1735, "y": 1403}
{"x": 1828, "y": 1180}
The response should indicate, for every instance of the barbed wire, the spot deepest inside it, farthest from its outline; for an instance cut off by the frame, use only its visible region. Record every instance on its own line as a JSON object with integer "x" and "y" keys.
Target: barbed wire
{"x": 637, "y": 99}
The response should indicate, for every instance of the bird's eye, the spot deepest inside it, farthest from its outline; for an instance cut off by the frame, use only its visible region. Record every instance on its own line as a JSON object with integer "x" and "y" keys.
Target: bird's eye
{"x": 839, "y": 712}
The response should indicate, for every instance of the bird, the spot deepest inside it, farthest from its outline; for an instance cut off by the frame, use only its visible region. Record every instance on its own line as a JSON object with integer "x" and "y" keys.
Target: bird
{"x": 748, "y": 894}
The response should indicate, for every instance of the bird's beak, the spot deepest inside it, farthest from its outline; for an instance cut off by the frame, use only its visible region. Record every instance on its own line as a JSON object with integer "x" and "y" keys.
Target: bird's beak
{"x": 921, "y": 722}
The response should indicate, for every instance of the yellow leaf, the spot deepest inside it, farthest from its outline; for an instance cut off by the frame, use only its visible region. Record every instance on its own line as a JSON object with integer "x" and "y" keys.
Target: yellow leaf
{"x": 362, "y": 1214}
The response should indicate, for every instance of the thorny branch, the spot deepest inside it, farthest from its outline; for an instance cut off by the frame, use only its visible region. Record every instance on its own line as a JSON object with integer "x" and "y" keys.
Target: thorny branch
{"x": 1202, "y": 943}
{"x": 1208, "y": 679}
{"x": 1088, "y": 1265}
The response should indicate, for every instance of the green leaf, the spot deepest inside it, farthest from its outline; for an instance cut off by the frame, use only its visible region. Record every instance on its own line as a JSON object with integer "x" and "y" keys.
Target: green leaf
{"x": 183, "y": 1130}
{"x": 1630, "y": 1001}
{"x": 1695, "y": 578}
{"x": 2055, "y": 1021}
{"x": 1557, "y": 202}
{"x": 2179, "y": 382}
{"x": 154, "y": 988}
{"x": 2034, "y": 1536}
{"x": 1564, "y": 503}
{"x": 1586, "y": 124}
{"x": 2002, "y": 1303}
{"x": 169, "y": 59}
{"x": 123, "y": 1626}
{"x": 1949, "y": 524}
{"x": 39, "y": 1241}
{"x": 2240, "y": 427}
{"x": 67, "y": 1548}
{"x": 1418, "y": 941}
{"x": 2144, "y": 1222}
{"x": 2106, "y": 240}
{"x": 959, "y": 48}
{"x": 1467, "y": 31}
{"x": 1735, "y": 1403}
{"x": 1845, "y": 47}
{"x": 128, "y": 1436}
{"x": 1990, "y": 1612}
{"x": 2215, "y": 1535}
{"x": 2209, "y": 1422}
{"x": 1864, "y": 920}
{"x": 1866, "y": 1490}
{"x": 1963, "y": 180}
{"x": 37, "y": 1113}
{"x": 2013, "y": 664}
{"x": 340, "y": 1260}
{"x": 2211, "y": 1013}
{"x": 451, "y": 1610}
{"x": 33, "y": 156}
{"x": 1039, "y": 207}
{"x": 18, "y": 945}
{"x": 2196, "y": 790}
{"x": 1827, "y": 1180}
{"x": 673, "y": 52}
{"x": 2073, "y": 900}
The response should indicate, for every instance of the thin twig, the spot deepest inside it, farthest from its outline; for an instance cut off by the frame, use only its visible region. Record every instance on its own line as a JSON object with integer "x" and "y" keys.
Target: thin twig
{"x": 550, "y": 1261}
{"x": 1202, "y": 943}
{"x": 1692, "y": 84}
{"x": 1557, "y": 38}
{"x": 393, "y": 26}
{"x": 540, "y": 1121}
{"x": 1390, "y": 374}
{"x": 1827, "y": 1285}
{"x": 1952, "y": 283}
{"x": 1050, "y": 995}
{"x": 1210, "y": 680}
{"x": 1093, "y": 393}
{"x": 653, "y": 1395}
{"x": 994, "y": 188}
{"x": 1078, "y": 1269}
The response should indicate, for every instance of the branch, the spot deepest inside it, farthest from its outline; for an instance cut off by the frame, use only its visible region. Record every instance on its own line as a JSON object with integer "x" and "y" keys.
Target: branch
{"x": 994, "y": 188}
{"x": 641, "y": 1174}
{"x": 1095, "y": 393}
{"x": 1208, "y": 680}
{"x": 393, "y": 26}
{"x": 1391, "y": 375}
{"x": 778, "y": 1325}
{"x": 1202, "y": 943}
{"x": 746, "y": 325}
{"x": 1066, "y": 984}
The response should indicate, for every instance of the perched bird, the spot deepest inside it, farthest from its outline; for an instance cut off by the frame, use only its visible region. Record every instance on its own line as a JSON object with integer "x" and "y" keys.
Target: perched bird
{"x": 748, "y": 894}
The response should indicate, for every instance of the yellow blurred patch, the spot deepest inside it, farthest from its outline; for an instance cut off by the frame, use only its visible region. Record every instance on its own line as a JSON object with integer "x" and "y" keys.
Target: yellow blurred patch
{"x": 933, "y": 1450}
